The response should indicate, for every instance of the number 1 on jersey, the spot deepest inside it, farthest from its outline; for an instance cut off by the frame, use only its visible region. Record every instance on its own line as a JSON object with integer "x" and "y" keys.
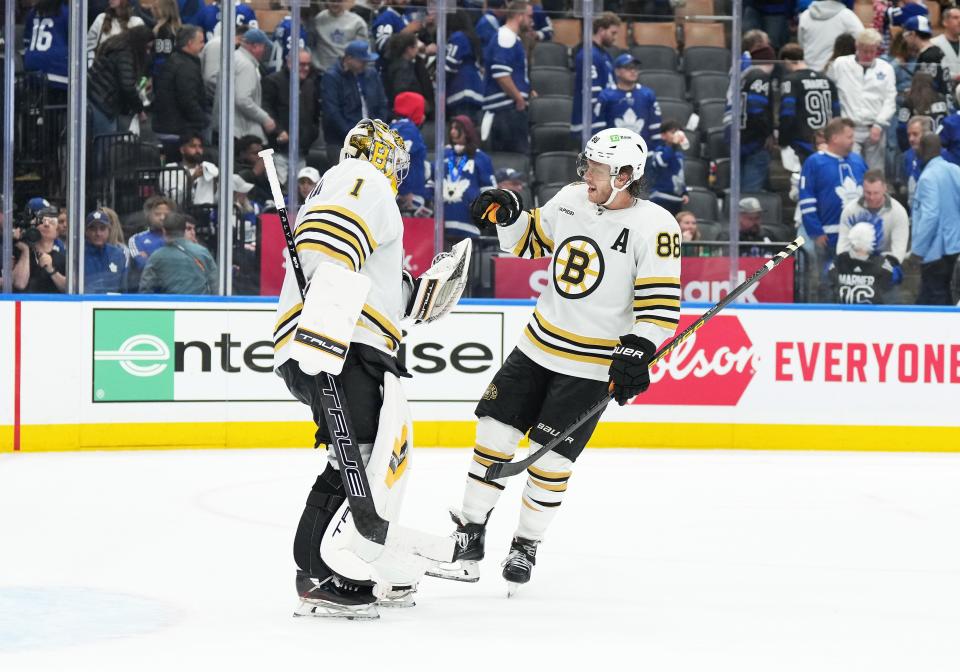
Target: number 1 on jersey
{"x": 355, "y": 192}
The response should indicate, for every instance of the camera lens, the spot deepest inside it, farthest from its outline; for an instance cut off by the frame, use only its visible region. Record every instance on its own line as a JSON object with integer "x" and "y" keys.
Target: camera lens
{"x": 31, "y": 236}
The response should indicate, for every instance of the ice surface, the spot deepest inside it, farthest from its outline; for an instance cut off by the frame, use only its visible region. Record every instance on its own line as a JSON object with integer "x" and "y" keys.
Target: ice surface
{"x": 658, "y": 560}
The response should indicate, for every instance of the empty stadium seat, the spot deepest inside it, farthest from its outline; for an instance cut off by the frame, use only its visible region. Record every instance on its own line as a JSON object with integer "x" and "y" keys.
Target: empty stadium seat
{"x": 551, "y": 54}
{"x": 548, "y": 191}
{"x": 702, "y": 203}
{"x": 703, "y": 35}
{"x": 706, "y": 59}
{"x": 695, "y": 172}
{"x": 427, "y": 131}
{"x": 709, "y": 85}
{"x": 556, "y": 167}
{"x": 656, "y": 57}
{"x": 665, "y": 84}
{"x": 711, "y": 113}
{"x": 695, "y": 8}
{"x": 695, "y": 144}
{"x": 675, "y": 110}
{"x": 718, "y": 147}
{"x": 709, "y": 230}
{"x": 723, "y": 175}
{"x": 517, "y": 161}
{"x": 551, "y": 80}
{"x": 546, "y": 109}
{"x": 568, "y": 32}
{"x": 553, "y": 137}
{"x": 663, "y": 34}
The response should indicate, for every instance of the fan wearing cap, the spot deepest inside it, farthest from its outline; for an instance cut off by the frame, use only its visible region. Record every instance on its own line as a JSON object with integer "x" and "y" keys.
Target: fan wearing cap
{"x": 612, "y": 298}
{"x": 48, "y": 264}
{"x": 197, "y": 181}
{"x": 868, "y": 95}
{"x": 251, "y": 118}
{"x": 351, "y": 91}
{"x": 606, "y": 27}
{"x": 408, "y": 116}
{"x": 917, "y": 33}
{"x": 307, "y": 180}
{"x": 104, "y": 264}
{"x": 630, "y": 104}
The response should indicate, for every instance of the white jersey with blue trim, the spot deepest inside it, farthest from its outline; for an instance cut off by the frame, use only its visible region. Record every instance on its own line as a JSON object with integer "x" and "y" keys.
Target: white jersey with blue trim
{"x": 613, "y": 272}
{"x": 351, "y": 219}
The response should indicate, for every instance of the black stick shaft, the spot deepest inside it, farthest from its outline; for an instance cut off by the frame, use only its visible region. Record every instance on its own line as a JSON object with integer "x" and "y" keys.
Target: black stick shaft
{"x": 505, "y": 469}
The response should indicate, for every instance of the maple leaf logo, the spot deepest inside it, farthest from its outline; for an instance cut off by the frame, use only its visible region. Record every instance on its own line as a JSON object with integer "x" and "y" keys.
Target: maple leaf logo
{"x": 848, "y": 190}
{"x": 631, "y": 121}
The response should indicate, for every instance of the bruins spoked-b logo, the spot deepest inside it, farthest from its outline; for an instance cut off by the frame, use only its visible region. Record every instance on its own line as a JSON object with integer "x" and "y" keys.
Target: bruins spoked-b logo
{"x": 577, "y": 267}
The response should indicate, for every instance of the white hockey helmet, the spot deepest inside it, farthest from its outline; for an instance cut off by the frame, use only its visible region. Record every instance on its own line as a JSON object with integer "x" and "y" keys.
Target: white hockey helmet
{"x": 372, "y": 140}
{"x": 618, "y": 148}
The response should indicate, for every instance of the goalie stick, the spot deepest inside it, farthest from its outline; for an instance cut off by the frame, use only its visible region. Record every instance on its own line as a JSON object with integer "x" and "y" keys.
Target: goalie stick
{"x": 506, "y": 469}
{"x": 365, "y": 517}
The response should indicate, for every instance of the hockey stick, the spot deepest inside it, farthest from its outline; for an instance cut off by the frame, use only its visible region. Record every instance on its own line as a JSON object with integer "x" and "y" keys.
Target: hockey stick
{"x": 505, "y": 469}
{"x": 365, "y": 517}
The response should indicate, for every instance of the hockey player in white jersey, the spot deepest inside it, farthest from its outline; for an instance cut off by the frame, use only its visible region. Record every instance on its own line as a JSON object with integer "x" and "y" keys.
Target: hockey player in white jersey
{"x": 348, "y": 239}
{"x": 612, "y": 300}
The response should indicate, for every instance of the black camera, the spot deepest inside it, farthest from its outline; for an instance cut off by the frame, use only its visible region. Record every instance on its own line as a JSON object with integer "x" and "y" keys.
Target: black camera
{"x": 30, "y": 236}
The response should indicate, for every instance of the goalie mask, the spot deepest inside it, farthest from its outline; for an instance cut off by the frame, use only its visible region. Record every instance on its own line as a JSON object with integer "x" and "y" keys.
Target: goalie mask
{"x": 618, "y": 148}
{"x": 372, "y": 140}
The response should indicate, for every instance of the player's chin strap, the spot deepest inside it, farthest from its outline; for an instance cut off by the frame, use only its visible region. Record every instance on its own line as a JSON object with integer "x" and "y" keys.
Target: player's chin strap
{"x": 615, "y": 190}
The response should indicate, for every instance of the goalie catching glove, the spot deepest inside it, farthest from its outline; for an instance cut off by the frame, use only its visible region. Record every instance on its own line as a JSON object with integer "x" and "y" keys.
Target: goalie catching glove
{"x": 436, "y": 292}
{"x": 629, "y": 370}
{"x": 496, "y": 206}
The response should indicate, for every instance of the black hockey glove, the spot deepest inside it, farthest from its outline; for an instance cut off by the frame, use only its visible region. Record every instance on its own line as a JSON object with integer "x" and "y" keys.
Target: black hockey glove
{"x": 629, "y": 370}
{"x": 496, "y": 206}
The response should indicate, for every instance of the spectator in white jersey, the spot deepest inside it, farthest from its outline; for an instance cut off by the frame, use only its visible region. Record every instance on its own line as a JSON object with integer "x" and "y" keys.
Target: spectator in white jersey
{"x": 891, "y": 225}
{"x": 868, "y": 96}
{"x": 949, "y": 41}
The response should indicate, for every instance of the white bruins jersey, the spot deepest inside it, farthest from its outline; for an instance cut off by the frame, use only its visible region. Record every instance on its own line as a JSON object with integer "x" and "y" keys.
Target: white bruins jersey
{"x": 613, "y": 272}
{"x": 350, "y": 219}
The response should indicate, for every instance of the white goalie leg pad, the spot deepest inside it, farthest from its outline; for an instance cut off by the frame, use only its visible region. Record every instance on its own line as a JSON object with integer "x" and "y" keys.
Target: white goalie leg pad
{"x": 543, "y": 493}
{"x": 335, "y": 297}
{"x": 441, "y": 285}
{"x": 402, "y": 560}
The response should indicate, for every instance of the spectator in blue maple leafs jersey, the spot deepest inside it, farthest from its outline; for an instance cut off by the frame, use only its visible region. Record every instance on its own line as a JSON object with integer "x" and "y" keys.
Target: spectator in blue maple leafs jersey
{"x": 605, "y": 30}
{"x": 507, "y": 87}
{"x": 629, "y": 104}
{"x": 463, "y": 57}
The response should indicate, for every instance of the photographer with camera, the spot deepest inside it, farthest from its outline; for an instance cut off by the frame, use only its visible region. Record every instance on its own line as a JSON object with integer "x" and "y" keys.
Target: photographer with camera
{"x": 39, "y": 265}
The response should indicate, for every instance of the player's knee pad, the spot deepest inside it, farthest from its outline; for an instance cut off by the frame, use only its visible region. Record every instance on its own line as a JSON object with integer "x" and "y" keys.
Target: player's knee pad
{"x": 547, "y": 481}
{"x": 325, "y": 498}
{"x": 496, "y": 442}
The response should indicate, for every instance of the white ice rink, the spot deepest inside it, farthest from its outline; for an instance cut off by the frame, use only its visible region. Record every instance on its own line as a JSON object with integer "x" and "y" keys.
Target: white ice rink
{"x": 657, "y": 561}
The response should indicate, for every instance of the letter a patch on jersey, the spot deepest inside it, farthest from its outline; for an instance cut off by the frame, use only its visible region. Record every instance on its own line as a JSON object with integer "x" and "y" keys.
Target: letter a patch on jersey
{"x": 620, "y": 244}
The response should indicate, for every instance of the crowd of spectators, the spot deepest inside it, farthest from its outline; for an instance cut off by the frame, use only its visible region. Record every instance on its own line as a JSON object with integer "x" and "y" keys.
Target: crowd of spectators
{"x": 839, "y": 97}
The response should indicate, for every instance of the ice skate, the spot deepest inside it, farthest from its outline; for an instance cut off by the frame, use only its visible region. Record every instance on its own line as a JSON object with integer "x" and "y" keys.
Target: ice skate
{"x": 396, "y": 597}
{"x": 467, "y": 554}
{"x": 335, "y": 597}
{"x": 518, "y": 565}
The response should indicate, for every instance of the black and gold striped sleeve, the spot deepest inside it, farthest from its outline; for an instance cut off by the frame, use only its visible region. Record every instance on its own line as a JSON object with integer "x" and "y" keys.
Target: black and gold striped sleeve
{"x": 534, "y": 242}
{"x": 285, "y": 326}
{"x": 656, "y": 300}
{"x": 337, "y": 233}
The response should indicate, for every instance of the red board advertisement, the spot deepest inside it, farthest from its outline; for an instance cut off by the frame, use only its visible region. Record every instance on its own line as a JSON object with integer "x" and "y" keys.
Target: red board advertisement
{"x": 703, "y": 279}
{"x": 417, "y": 244}
{"x": 272, "y": 247}
{"x": 713, "y": 367}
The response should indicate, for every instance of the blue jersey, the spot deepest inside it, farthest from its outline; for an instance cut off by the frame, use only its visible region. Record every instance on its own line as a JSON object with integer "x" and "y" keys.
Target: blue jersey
{"x": 45, "y": 42}
{"x": 416, "y": 179}
{"x": 209, "y": 17}
{"x": 542, "y": 25}
{"x": 911, "y": 169}
{"x": 145, "y": 241}
{"x": 104, "y": 269}
{"x": 669, "y": 184}
{"x": 504, "y": 56}
{"x": 827, "y": 183}
{"x": 602, "y": 78}
{"x": 897, "y": 16}
{"x": 637, "y": 110}
{"x": 463, "y": 180}
{"x": 464, "y": 84}
{"x": 950, "y": 137}
{"x": 281, "y": 35}
{"x": 388, "y": 23}
{"x": 487, "y": 27}
{"x": 190, "y": 11}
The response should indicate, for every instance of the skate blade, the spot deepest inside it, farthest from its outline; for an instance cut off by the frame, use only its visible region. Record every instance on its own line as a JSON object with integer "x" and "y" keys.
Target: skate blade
{"x": 512, "y": 588}
{"x": 316, "y": 609}
{"x": 404, "y": 603}
{"x": 467, "y": 571}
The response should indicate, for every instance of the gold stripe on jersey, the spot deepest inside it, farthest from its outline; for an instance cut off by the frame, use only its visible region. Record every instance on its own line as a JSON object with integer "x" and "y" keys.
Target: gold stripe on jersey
{"x": 330, "y": 251}
{"x": 659, "y": 300}
{"x": 324, "y": 230}
{"x": 577, "y": 339}
{"x": 565, "y": 353}
{"x": 284, "y": 319}
{"x": 347, "y": 216}
{"x": 388, "y": 328}
{"x": 647, "y": 284}
{"x": 534, "y": 243}
{"x": 285, "y": 326}
{"x": 529, "y": 505}
{"x": 665, "y": 322}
